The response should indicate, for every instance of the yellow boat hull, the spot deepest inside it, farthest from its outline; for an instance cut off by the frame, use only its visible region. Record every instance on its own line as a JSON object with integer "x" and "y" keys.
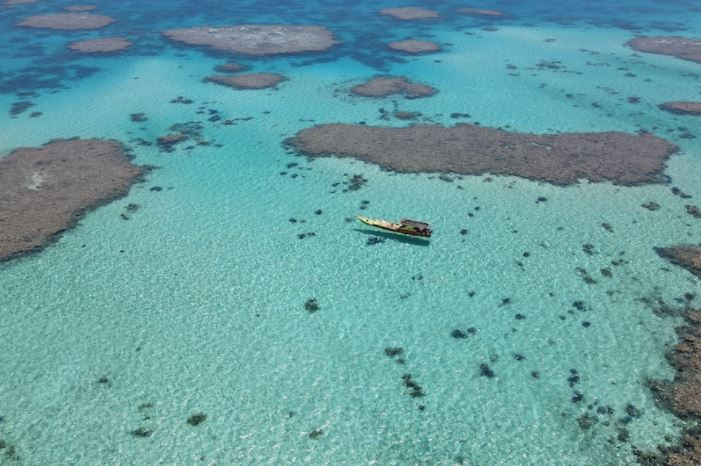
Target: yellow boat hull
{"x": 389, "y": 226}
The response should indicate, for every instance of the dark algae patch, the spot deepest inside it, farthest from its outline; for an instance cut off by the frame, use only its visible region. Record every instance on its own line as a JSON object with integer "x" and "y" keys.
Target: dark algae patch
{"x": 561, "y": 159}
{"x": 141, "y": 432}
{"x": 312, "y": 305}
{"x": 196, "y": 419}
{"x": 45, "y": 190}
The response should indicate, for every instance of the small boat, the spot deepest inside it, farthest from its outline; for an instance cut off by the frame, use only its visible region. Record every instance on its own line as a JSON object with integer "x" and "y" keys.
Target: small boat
{"x": 405, "y": 226}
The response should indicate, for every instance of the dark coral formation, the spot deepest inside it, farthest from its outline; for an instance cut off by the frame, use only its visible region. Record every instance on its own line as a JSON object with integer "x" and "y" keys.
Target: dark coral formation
{"x": 196, "y": 419}
{"x": 45, "y": 190}
{"x": 384, "y": 86}
{"x": 414, "y": 46}
{"x": 67, "y": 21}
{"x": 20, "y": 107}
{"x": 256, "y": 39}
{"x": 105, "y": 45}
{"x": 409, "y": 13}
{"x": 312, "y": 305}
{"x": 680, "y": 47}
{"x": 560, "y": 159}
{"x": 693, "y": 210}
{"x": 682, "y": 107}
{"x": 169, "y": 141}
{"x": 248, "y": 81}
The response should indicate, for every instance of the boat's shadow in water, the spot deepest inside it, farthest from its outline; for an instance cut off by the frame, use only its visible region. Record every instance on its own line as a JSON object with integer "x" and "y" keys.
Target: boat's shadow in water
{"x": 395, "y": 237}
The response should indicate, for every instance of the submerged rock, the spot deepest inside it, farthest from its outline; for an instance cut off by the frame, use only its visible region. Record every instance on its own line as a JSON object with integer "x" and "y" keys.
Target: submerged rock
{"x": 587, "y": 421}
{"x": 196, "y": 419}
{"x": 138, "y": 117}
{"x": 312, "y": 305}
{"x": 20, "y": 107}
{"x": 486, "y": 371}
{"x": 169, "y": 140}
{"x": 394, "y": 351}
{"x": 693, "y": 210}
{"x": 141, "y": 432}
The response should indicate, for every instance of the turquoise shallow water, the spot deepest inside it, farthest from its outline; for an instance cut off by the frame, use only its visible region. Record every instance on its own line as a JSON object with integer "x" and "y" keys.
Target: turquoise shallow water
{"x": 196, "y": 303}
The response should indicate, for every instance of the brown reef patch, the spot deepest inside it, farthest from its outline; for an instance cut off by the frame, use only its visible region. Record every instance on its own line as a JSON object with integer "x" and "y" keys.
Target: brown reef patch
{"x": 67, "y": 21}
{"x": 682, "y": 107}
{"x": 257, "y": 40}
{"x": 481, "y": 12}
{"x": 45, "y": 190}
{"x": 560, "y": 159}
{"x": 682, "y": 396}
{"x": 80, "y": 8}
{"x": 680, "y": 47}
{"x": 18, "y": 2}
{"x": 105, "y": 45}
{"x": 683, "y": 255}
{"x": 414, "y": 46}
{"x": 248, "y": 81}
{"x": 409, "y": 13}
{"x": 383, "y": 86}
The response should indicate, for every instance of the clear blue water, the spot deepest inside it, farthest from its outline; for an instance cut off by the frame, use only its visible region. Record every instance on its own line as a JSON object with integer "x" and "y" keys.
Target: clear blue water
{"x": 196, "y": 303}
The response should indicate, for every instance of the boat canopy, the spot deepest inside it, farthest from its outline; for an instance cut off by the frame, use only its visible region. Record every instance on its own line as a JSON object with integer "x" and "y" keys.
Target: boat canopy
{"x": 414, "y": 223}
